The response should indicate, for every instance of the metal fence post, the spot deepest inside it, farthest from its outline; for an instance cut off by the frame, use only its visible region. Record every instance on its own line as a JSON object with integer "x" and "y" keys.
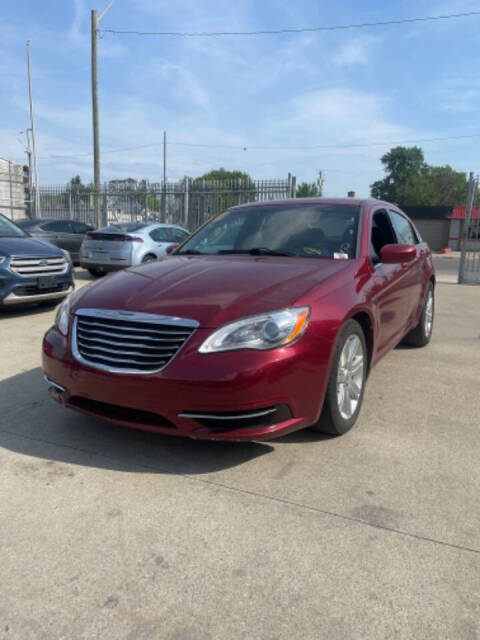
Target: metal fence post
{"x": 186, "y": 203}
{"x": 294, "y": 187}
{"x": 466, "y": 226}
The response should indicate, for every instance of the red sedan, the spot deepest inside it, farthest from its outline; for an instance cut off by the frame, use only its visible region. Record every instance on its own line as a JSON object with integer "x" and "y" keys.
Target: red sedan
{"x": 266, "y": 320}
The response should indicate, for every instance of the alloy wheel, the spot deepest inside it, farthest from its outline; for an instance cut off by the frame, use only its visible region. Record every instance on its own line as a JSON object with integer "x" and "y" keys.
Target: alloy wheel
{"x": 350, "y": 376}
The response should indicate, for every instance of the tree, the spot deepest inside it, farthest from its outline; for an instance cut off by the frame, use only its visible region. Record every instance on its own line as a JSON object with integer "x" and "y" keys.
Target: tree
{"x": 410, "y": 181}
{"x": 307, "y": 190}
{"x": 401, "y": 165}
{"x": 450, "y": 186}
{"x": 224, "y": 174}
{"x": 239, "y": 188}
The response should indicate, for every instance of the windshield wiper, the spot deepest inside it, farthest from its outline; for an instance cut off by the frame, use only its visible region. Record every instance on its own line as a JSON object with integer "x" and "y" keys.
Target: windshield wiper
{"x": 191, "y": 252}
{"x": 256, "y": 251}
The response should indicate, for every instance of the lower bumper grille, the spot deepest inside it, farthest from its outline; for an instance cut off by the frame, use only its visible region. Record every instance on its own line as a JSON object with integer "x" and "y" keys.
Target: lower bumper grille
{"x": 233, "y": 420}
{"x": 117, "y": 412}
{"x": 35, "y": 291}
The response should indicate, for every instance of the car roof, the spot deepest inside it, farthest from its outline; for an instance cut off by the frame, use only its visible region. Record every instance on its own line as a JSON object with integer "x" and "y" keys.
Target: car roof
{"x": 361, "y": 202}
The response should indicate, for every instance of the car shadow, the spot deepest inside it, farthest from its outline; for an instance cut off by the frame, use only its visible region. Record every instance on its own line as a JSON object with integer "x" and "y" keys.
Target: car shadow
{"x": 32, "y": 309}
{"x": 32, "y": 424}
{"x": 83, "y": 274}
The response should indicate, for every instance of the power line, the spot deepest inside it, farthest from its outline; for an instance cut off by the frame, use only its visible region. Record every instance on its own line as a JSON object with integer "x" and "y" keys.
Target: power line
{"x": 353, "y": 145}
{"x": 361, "y": 25}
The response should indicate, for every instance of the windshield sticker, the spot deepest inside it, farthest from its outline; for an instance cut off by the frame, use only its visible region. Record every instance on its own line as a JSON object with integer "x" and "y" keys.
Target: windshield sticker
{"x": 339, "y": 255}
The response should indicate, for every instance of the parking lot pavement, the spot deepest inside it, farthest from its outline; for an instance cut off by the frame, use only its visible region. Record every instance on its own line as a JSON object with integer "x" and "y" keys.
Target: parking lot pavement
{"x": 110, "y": 533}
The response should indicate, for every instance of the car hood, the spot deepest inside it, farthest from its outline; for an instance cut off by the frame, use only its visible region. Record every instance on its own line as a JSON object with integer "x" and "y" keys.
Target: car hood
{"x": 212, "y": 290}
{"x": 28, "y": 247}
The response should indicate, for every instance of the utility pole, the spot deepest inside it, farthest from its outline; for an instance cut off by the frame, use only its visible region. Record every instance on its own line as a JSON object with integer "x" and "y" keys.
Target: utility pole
{"x": 36, "y": 195}
{"x": 165, "y": 159}
{"x": 163, "y": 207}
{"x": 95, "y": 119}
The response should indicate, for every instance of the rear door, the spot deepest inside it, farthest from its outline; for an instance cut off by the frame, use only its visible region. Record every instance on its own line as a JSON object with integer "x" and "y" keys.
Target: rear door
{"x": 79, "y": 231}
{"x": 61, "y": 234}
{"x": 162, "y": 237}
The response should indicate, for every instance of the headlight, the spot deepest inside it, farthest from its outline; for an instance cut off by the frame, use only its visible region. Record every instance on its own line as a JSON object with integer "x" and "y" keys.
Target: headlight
{"x": 63, "y": 315}
{"x": 266, "y": 331}
{"x": 66, "y": 254}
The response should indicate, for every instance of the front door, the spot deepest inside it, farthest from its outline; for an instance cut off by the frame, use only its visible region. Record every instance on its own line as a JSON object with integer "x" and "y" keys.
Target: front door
{"x": 392, "y": 287}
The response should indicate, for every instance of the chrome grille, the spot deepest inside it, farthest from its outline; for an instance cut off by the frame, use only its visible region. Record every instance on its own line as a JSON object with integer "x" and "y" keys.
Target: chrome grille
{"x": 32, "y": 267}
{"x": 128, "y": 342}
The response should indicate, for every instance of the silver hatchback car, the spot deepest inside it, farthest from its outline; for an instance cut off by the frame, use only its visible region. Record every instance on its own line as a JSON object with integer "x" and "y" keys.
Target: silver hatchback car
{"x": 125, "y": 245}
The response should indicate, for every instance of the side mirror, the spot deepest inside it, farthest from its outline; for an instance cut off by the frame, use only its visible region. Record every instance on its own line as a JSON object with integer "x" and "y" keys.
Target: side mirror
{"x": 171, "y": 248}
{"x": 397, "y": 253}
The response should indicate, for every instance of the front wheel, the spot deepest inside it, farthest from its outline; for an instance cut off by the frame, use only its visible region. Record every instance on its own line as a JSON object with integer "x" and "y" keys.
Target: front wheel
{"x": 420, "y": 336}
{"x": 346, "y": 384}
{"x": 149, "y": 258}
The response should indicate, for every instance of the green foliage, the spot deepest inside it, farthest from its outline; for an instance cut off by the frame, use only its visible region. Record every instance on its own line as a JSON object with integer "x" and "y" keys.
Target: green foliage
{"x": 307, "y": 190}
{"x": 239, "y": 187}
{"x": 410, "y": 181}
{"x": 224, "y": 174}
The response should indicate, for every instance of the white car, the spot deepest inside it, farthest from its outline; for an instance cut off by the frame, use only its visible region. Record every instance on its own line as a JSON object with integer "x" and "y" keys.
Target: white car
{"x": 125, "y": 245}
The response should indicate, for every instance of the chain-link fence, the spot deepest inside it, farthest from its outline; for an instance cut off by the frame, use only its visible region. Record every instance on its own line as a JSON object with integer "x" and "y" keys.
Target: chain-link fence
{"x": 188, "y": 202}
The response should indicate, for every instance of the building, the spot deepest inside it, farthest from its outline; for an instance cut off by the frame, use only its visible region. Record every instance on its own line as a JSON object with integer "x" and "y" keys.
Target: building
{"x": 441, "y": 227}
{"x": 13, "y": 189}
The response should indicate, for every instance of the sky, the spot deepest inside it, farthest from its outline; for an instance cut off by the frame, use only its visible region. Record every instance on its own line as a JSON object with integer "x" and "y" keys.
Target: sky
{"x": 340, "y": 89}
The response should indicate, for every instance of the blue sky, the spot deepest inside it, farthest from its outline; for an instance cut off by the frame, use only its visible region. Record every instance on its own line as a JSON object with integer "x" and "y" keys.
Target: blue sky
{"x": 391, "y": 83}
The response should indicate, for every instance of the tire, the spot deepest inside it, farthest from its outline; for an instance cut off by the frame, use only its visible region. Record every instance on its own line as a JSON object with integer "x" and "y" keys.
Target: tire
{"x": 95, "y": 273}
{"x": 420, "y": 336}
{"x": 340, "y": 408}
{"x": 148, "y": 258}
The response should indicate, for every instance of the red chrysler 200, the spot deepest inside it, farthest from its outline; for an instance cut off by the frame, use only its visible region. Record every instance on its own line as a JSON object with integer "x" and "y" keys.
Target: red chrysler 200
{"x": 266, "y": 320}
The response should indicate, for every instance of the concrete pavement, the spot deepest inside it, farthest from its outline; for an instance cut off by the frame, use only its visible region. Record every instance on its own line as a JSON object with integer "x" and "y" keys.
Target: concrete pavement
{"x": 112, "y": 533}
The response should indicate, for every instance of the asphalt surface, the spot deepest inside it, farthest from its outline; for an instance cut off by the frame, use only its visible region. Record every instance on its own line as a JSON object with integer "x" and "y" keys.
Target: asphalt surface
{"x": 115, "y": 534}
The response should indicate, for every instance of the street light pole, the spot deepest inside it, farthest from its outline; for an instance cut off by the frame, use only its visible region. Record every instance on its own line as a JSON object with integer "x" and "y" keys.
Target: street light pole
{"x": 95, "y": 21}
{"x": 36, "y": 195}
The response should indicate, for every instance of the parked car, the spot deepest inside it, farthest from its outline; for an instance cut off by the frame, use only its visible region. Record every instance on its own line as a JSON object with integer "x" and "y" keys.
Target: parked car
{"x": 31, "y": 270}
{"x": 66, "y": 234}
{"x": 125, "y": 245}
{"x": 266, "y": 320}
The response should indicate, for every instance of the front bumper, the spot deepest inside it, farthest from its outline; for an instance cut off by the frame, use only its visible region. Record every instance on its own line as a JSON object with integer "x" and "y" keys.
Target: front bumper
{"x": 15, "y": 289}
{"x": 243, "y": 395}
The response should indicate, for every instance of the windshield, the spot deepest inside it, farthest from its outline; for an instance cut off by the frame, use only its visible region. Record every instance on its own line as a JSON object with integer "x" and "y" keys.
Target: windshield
{"x": 309, "y": 231}
{"x": 10, "y": 230}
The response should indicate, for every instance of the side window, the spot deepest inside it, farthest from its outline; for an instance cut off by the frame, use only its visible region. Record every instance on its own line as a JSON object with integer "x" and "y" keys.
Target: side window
{"x": 403, "y": 228}
{"x": 179, "y": 235}
{"x": 381, "y": 234}
{"x": 79, "y": 227}
{"x": 162, "y": 234}
{"x": 59, "y": 226}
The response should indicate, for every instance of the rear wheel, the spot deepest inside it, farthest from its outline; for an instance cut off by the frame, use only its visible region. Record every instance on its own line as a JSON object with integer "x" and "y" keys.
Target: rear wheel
{"x": 420, "y": 336}
{"x": 149, "y": 258}
{"x": 346, "y": 384}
